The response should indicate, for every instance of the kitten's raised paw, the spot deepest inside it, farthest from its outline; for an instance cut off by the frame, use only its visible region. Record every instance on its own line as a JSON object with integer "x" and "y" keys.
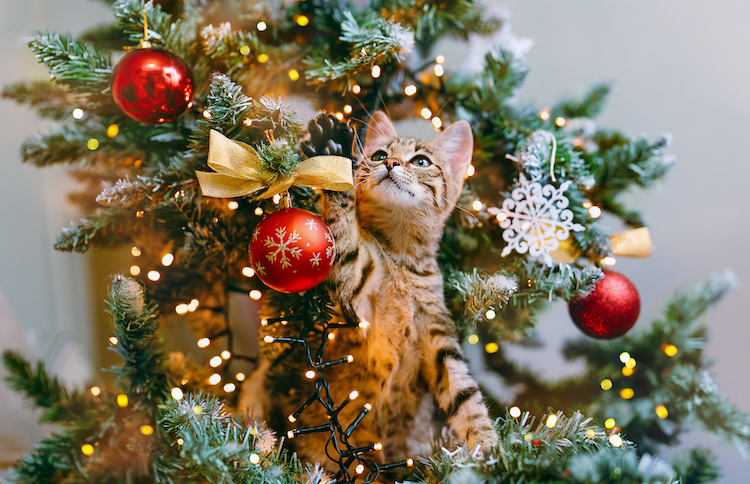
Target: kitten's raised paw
{"x": 329, "y": 136}
{"x": 485, "y": 437}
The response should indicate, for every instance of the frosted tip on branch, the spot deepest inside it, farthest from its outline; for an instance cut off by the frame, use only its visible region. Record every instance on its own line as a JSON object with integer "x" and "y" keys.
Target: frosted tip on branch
{"x": 480, "y": 291}
{"x": 128, "y": 292}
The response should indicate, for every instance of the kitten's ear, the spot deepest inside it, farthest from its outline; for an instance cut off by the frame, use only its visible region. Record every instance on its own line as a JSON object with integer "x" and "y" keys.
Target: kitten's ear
{"x": 456, "y": 145}
{"x": 380, "y": 130}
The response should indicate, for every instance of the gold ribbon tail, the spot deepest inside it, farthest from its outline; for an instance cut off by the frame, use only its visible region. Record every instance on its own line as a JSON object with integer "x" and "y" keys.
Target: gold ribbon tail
{"x": 629, "y": 243}
{"x": 632, "y": 243}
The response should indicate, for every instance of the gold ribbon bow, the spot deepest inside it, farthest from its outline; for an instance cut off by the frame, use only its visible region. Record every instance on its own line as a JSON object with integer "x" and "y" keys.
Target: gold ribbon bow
{"x": 630, "y": 243}
{"x": 239, "y": 171}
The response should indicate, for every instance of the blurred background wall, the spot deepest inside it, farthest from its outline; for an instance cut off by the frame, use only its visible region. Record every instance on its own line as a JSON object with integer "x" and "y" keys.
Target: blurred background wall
{"x": 679, "y": 66}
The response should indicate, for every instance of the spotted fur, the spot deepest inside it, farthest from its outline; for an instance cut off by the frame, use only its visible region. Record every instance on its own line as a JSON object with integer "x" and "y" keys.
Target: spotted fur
{"x": 407, "y": 362}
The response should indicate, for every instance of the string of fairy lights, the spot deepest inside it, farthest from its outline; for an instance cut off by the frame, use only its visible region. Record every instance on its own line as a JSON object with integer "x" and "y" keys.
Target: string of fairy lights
{"x": 338, "y": 448}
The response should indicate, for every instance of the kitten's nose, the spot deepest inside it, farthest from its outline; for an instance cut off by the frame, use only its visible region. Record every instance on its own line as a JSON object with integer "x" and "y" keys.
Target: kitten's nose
{"x": 391, "y": 162}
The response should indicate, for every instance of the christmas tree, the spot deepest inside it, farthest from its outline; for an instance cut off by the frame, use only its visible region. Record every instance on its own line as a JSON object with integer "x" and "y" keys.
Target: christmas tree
{"x": 241, "y": 72}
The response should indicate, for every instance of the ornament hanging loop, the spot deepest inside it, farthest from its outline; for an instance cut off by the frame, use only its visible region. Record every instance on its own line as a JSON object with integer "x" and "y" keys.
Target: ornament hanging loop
{"x": 286, "y": 199}
{"x": 552, "y": 155}
{"x": 144, "y": 43}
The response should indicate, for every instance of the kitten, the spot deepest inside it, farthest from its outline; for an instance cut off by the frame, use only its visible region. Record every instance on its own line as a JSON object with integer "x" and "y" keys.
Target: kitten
{"x": 408, "y": 358}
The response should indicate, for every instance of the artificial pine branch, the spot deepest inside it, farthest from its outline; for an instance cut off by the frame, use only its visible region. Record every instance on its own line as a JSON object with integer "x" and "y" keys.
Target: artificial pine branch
{"x": 589, "y": 105}
{"x": 276, "y": 114}
{"x": 71, "y": 146}
{"x": 60, "y": 405}
{"x": 143, "y": 372}
{"x": 636, "y": 162}
{"x": 106, "y": 37}
{"x": 223, "y": 448}
{"x": 233, "y": 51}
{"x": 51, "y": 100}
{"x": 473, "y": 294}
{"x": 698, "y": 467}
{"x": 486, "y": 96}
{"x": 238, "y": 116}
{"x": 570, "y": 450}
{"x": 104, "y": 227}
{"x": 431, "y": 21}
{"x": 51, "y": 460}
{"x": 371, "y": 39}
{"x": 563, "y": 281}
{"x": 162, "y": 28}
{"x": 77, "y": 66}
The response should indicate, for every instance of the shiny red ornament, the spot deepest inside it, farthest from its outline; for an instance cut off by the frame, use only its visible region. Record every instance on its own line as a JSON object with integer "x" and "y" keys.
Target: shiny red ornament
{"x": 610, "y": 310}
{"x": 292, "y": 250}
{"x": 152, "y": 85}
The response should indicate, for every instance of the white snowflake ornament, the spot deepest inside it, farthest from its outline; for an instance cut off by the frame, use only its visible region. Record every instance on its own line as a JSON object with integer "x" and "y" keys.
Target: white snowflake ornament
{"x": 536, "y": 219}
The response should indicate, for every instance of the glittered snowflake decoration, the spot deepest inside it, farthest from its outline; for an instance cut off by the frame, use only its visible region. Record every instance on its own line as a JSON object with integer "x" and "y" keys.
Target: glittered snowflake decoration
{"x": 283, "y": 246}
{"x": 536, "y": 219}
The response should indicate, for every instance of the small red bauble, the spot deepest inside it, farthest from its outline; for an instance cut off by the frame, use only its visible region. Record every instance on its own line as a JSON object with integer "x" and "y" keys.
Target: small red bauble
{"x": 292, "y": 250}
{"x": 152, "y": 85}
{"x": 610, "y": 310}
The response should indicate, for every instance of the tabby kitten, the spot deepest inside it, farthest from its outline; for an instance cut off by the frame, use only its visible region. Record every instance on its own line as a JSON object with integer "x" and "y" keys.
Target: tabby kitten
{"x": 408, "y": 358}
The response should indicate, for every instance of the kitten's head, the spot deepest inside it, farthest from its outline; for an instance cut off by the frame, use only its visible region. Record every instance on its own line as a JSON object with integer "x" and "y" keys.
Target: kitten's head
{"x": 414, "y": 174}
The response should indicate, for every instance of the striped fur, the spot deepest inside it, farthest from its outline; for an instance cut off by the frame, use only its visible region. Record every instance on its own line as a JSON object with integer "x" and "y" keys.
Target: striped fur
{"x": 407, "y": 362}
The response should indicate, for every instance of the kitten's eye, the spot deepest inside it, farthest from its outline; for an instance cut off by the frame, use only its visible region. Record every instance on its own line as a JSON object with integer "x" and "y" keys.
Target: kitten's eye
{"x": 420, "y": 161}
{"x": 379, "y": 155}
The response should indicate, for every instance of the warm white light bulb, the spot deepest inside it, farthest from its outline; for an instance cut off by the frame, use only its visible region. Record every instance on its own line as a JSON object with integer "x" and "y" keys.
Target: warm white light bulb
{"x": 177, "y": 393}
{"x": 551, "y": 421}
{"x": 167, "y": 260}
{"x": 248, "y": 272}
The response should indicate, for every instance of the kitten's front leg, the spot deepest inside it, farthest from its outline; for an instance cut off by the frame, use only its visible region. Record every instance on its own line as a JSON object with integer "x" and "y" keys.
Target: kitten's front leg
{"x": 329, "y": 136}
{"x": 455, "y": 390}
{"x": 353, "y": 262}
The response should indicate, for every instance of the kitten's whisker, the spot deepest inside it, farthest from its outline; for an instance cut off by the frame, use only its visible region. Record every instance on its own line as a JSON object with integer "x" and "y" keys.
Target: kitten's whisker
{"x": 460, "y": 208}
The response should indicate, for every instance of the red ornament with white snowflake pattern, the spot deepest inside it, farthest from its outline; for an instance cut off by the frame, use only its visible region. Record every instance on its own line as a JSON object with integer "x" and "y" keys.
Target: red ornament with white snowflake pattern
{"x": 292, "y": 250}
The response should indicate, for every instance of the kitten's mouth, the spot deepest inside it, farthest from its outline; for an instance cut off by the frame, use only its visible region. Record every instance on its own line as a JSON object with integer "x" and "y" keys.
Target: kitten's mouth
{"x": 389, "y": 177}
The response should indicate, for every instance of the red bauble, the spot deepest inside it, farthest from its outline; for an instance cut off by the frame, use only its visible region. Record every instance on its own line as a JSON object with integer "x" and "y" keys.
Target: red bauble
{"x": 292, "y": 250}
{"x": 152, "y": 85}
{"x": 610, "y": 310}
